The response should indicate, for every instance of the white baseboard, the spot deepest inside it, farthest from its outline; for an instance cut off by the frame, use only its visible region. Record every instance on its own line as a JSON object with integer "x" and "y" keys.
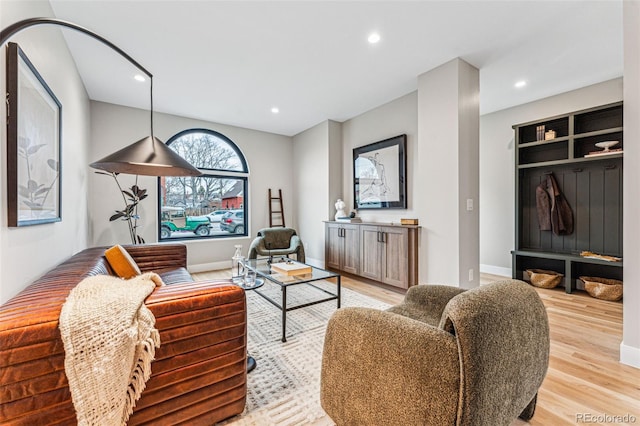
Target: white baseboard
{"x": 314, "y": 262}
{"x": 495, "y": 270}
{"x": 226, "y": 264}
{"x": 629, "y": 355}
{"x": 211, "y": 266}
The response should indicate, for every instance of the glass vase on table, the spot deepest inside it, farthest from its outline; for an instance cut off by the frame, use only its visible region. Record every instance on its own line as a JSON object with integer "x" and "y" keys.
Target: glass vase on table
{"x": 237, "y": 275}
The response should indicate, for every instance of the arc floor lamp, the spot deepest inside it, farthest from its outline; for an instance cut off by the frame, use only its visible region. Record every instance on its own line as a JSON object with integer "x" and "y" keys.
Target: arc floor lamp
{"x": 148, "y": 156}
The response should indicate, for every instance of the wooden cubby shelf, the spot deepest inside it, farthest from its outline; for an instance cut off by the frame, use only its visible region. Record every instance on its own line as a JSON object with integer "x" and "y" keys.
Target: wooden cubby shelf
{"x": 592, "y": 186}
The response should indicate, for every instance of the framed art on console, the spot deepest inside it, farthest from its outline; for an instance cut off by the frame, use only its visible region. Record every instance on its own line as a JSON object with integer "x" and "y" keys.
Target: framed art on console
{"x": 34, "y": 117}
{"x": 379, "y": 174}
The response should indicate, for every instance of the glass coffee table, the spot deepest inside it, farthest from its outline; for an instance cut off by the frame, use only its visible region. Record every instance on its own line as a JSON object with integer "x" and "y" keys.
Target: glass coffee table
{"x": 262, "y": 267}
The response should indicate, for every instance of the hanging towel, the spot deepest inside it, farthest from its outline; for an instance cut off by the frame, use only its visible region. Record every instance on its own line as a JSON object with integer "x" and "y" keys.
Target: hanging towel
{"x": 554, "y": 212}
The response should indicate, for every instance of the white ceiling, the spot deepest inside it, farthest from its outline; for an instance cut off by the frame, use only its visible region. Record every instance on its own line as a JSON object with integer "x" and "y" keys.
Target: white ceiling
{"x": 232, "y": 61}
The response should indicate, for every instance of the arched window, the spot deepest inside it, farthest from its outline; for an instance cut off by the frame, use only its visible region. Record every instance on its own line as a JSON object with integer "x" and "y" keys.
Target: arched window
{"x": 213, "y": 205}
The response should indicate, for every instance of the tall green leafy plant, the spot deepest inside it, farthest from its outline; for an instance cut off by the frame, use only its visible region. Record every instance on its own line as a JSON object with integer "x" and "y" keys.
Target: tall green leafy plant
{"x": 131, "y": 197}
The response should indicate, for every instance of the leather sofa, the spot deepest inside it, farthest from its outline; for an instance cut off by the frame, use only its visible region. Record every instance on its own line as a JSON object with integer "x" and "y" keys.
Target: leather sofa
{"x": 198, "y": 376}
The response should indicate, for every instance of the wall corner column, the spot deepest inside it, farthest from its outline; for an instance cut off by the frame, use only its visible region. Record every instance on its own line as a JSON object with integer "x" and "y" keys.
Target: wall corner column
{"x": 448, "y": 159}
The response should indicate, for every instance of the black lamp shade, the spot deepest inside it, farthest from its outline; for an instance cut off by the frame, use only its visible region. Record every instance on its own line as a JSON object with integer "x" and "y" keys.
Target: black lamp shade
{"x": 149, "y": 157}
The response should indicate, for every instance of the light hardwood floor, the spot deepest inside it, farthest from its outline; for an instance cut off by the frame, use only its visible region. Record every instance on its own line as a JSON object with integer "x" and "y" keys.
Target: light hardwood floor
{"x": 585, "y": 377}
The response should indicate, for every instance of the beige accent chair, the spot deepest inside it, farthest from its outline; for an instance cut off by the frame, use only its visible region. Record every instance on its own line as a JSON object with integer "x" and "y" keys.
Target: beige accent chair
{"x": 444, "y": 356}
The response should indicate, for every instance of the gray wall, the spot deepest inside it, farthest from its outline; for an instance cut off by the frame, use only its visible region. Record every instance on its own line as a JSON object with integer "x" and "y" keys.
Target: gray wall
{"x": 28, "y": 252}
{"x": 630, "y": 346}
{"x": 391, "y": 119}
{"x": 497, "y": 163}
{"x": 310, "y": 168}
{"x": 448, "y": 114}
{"x": 269, "y": 157}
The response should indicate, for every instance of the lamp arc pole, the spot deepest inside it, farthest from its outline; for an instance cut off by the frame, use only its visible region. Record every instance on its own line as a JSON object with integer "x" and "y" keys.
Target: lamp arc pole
{"x": 148, "y": 156}
{"x": 16, "y": 27}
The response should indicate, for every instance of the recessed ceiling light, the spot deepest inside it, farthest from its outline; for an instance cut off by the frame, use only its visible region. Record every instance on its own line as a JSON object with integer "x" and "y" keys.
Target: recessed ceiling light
{"x": 374, "y": 38}
{"x": 520, "y": 84}
{"x": 139, "y": 77}
{"x": 275, "y": 110}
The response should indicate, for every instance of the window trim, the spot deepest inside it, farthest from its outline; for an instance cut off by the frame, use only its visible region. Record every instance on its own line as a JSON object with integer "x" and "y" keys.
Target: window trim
{"x": 235, "y": 148}
{"x": 242, "y": 175}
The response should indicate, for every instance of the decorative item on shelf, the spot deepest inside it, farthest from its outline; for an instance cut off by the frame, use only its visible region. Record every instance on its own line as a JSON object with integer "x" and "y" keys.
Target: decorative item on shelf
{"x": 349, "y": 219}
{"x": 544, "y": 278}
{"x": 408, "y": 221}
{"x": 606, "y": 149}
{"x": 540, "y": 132}
{"x": 550, "y": 134}
{"x": 592, "y": 255}
{"x": 606, "y": 145}
{"x": 340, "y": 205}
{"x": 603, "y": 288}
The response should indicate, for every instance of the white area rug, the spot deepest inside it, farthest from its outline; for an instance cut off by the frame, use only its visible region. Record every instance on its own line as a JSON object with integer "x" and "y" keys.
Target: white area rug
{"x": 284, "y": 389}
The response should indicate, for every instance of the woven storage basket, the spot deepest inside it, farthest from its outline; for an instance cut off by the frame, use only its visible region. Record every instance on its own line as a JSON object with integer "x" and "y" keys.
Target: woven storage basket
{"x": 543, "y": 278}
{"x": 603, "y": 288}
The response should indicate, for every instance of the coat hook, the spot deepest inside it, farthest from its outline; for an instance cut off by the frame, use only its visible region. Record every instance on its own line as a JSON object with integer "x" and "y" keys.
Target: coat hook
{"x": 610, "y": 167}
{"x": 577, "y": 170}
{"x": 547, "y": 173}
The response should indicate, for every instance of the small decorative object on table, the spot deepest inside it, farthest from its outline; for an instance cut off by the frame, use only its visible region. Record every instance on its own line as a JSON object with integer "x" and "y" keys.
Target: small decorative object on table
{"x": 236, "y": 263}
{"x": 603, "y": 288}
{"x": 550, "y": 134}
{"x": 291, "y": 268}
{"x": 543, "y": 278}
{"x": 408, "y": 221}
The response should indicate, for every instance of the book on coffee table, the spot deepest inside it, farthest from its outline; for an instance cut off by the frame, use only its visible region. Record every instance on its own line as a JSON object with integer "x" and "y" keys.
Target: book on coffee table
{"x": 290, "y": 268}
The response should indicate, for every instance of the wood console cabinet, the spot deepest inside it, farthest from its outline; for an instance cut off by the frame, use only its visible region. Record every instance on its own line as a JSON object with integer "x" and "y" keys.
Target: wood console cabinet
{"x": 342, "y": 247}
{"x": 592, "y": 185}
{"x": 381, "y": 252}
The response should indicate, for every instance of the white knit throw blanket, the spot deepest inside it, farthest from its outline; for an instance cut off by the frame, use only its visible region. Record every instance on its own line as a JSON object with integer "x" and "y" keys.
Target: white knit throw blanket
{"x": 109, "y": 341}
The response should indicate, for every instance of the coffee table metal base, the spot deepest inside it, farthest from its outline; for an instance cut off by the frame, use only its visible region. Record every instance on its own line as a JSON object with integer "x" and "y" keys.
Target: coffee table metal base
{"x": 283, "y": 304}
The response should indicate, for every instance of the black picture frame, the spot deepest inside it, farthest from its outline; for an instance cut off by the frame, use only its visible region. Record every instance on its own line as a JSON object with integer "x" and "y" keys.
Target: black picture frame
{"x": 34, "y": 133}
{"x": 380, "y": 174}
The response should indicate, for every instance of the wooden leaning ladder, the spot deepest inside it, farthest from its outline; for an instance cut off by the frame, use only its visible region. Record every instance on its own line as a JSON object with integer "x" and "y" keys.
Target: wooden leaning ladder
{"x": 278, "y": 214}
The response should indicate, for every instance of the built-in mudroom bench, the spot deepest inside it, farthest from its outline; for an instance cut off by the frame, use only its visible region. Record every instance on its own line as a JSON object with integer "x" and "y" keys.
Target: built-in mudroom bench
{"x": 382, "y": 252}
{"x": 582, "y": 152}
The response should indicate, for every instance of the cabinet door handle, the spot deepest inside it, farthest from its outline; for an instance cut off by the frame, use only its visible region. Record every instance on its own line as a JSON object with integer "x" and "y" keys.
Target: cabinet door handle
{"x": 378, "y": 238}
{"x": 383, "y": 237}
{"x": 341, "y": 234}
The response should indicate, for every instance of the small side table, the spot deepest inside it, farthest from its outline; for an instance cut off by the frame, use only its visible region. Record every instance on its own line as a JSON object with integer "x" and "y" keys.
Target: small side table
{"x": 259, "y": 282}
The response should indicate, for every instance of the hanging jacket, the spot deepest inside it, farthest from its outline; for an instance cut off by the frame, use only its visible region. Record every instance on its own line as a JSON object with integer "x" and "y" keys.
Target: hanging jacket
{"x": 554, "y": 212}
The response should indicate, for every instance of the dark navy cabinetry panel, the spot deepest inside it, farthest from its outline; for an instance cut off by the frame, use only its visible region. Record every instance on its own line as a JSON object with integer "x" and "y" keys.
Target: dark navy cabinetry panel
{"x": 592, "y": 185}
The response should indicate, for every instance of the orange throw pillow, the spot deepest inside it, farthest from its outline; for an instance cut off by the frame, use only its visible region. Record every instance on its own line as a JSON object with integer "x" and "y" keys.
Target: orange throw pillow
{"x": 121, "y": 262}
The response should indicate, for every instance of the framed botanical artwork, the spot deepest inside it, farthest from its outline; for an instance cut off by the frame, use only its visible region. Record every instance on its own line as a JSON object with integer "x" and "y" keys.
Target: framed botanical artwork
{"x": 33, "y": 144}
{"x": 379, "y": 174}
